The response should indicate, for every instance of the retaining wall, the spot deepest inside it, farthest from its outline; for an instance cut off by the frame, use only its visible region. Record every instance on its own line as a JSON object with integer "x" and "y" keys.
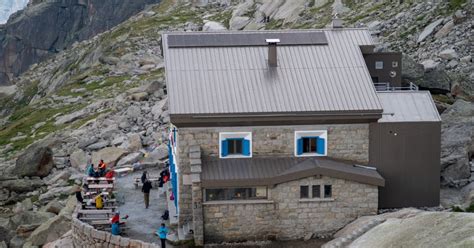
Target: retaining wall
{"x": 85, "y": 235}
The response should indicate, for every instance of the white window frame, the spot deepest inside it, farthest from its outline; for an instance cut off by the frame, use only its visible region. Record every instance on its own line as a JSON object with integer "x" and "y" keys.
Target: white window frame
{"x": 235, "y": 135}
{"x": 321, "y": 133}
{"x": 379, "y": 65}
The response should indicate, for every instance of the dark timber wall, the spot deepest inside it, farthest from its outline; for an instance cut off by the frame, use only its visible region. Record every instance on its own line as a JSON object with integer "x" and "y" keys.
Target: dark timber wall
{"x": 392, "y": 62}
{"x": 407, "y": 155}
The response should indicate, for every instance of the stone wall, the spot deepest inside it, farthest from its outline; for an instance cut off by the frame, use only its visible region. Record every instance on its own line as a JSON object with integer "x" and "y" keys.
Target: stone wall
{"x": 85, "y": 235}
{"x": 286, "y": 216}
{"x": 345, "y": 141}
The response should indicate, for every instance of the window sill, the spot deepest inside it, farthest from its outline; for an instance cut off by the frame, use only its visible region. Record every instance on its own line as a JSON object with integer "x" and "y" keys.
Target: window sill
{"x": 316, "y": 200}
{"x": 238, "y": 202}
{"x": 311, "y": 155}
{"x": 236, "y": 156}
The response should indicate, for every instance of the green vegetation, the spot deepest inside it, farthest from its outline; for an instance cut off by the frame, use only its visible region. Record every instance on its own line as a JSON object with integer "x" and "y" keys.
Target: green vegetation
{"x": 222, "y": 17}
{"x": 274, "y": 24}
{"x": 469, "y": 209}
{"x": 456, "y": 4}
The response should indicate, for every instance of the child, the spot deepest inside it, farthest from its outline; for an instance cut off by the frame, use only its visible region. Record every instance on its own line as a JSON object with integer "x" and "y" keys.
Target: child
{"x": 162, "y": 232}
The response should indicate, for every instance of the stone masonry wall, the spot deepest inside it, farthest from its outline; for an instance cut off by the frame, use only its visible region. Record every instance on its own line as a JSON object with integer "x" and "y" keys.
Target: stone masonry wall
{"x": 85, "y": 235}
{"x": 286, "y": 216}
{"x": 345, "y": 141}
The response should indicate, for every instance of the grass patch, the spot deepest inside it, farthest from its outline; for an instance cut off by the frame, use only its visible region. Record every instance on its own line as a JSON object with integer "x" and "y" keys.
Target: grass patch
{"x": 456, "y": 4}
{"x": 23, "y": 121}
{"x": 222, "y": 17}
{"x": 274, "y": 24}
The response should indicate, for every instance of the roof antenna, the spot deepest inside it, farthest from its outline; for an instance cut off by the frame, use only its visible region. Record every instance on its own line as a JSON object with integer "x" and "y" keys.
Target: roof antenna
{"x": 272, "y": 52}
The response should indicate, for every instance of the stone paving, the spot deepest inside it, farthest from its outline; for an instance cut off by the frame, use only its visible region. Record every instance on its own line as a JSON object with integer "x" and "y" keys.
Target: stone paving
{"x": 142, "y": 222}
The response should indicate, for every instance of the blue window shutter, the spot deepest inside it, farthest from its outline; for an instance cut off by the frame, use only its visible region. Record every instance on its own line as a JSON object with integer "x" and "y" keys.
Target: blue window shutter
{"x": 246, "y": 147}
{"x": 320, "y": 145}
{"x": 299, "y": 146}
{"x": 224, "y": 148}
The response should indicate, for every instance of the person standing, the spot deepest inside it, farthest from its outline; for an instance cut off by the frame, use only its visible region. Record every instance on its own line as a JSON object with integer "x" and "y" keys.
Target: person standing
{"x": 162, "y": 232}
{"x": 146, "y": 192}
{"x": 143, "y": 179}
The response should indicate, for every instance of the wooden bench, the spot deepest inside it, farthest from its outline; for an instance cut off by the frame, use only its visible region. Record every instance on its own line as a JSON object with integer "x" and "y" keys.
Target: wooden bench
{"x": 105, "y": 207}
{"x": 106, "y": 222}
{"x": 123, "y": 171}
{"x": 138, "y": 181}
{"x": 101, "y": 186}
{"x": 95, "y": 211}
{"x": 100, "y": 179}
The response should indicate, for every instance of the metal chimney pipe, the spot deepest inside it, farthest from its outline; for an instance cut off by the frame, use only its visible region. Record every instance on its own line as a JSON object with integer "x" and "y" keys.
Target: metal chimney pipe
{"x": 272, "y": 52}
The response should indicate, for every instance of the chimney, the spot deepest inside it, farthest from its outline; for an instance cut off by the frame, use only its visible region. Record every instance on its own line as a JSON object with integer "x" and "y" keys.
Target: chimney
{"x": 336, "y": 22}
{"x": 272, "y": 52}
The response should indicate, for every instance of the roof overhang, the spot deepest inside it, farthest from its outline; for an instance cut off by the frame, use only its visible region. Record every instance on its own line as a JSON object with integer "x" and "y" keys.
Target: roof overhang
{"x": 259, "y": 119}
{"x": 262, "y": 171}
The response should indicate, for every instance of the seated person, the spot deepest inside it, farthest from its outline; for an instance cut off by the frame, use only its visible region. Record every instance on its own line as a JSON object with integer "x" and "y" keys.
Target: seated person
{"x": 102, "y": 168}
{"x": 109, "y": 175}
{"x": 90, "y": 170}
{"x": 99, "y": 202}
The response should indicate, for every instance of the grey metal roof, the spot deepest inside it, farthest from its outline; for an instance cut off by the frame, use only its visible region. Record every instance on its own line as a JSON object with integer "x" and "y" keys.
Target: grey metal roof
{"x": 408, "y": 106}
{"x": 238, "y": 80}
{"x": 258, "y": 171}
{"x": 245, "y": 39}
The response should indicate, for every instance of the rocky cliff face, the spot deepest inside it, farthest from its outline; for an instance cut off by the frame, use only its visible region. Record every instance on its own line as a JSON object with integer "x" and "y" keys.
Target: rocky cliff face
{"x": 47, "y": 27}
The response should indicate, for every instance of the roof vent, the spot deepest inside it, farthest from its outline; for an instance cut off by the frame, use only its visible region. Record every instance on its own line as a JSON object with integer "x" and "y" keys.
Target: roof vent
{"x": 272, "y": 52}
{"x": 336, "y": 22}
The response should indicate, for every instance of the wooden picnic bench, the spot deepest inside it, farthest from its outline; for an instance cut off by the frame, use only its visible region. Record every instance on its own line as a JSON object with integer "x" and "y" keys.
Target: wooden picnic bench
{"x": 101, "y": 179}
{"x": 101, "y": 186}
{"x": 138, "y": 181}
{"x": 106, "y": 222}
{"x": 123, "y": 171}
{"x": 105, "y": 207}
{"x": 95, "y": 211}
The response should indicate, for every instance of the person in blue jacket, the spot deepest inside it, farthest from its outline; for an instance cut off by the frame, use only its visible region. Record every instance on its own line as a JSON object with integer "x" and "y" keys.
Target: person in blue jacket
{"x": 162, "y": 232}
{"x": 116, "y": 223}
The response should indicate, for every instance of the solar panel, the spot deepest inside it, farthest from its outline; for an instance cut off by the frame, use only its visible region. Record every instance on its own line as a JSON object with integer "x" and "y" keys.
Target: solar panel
{"x": 245, "y": 39}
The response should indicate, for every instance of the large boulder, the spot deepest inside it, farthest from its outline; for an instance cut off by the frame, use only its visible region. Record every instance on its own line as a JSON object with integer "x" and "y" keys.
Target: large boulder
{"x": 29, "y": 217}
{"x": 457, "y": 143}
{"x": 446, "y": 229}
{"x": 129, "y": 159}
{"x": 436, "y": 80}
{"x": 213, "y": 26}
{"x": 78, "y": 159}
{"x": 411, "y": 70}
{"x": 37, "y": 160}
{"x": 110, "y": 155}
{"x": 51, "y": 230}
{"x": 134, "y": 142}
{"x": 428, "y": 30}
{"x": 21, "y": 185}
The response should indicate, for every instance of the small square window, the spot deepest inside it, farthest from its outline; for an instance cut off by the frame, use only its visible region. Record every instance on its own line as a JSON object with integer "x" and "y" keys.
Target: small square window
{"x": 304, "y": 191}
{"x": 378, "y": 65}
{"x": 309, "y": 145}
{"x": 235, "y": 146}
{"x": 316, "y": 191}
{"x": 394, "y": 64}
{"x": 327, "y": 191}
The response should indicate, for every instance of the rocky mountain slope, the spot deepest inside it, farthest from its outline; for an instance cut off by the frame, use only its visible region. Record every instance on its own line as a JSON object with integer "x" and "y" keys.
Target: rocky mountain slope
{"x": 105, "y": 97}
{"x": 47, "y": 27}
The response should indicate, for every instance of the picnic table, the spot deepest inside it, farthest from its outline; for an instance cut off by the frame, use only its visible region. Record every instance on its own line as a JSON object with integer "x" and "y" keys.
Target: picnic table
{"x": 101, "y": 186}
{"x": 101, "y": 179}
{"x": 95, "y": 212}
{"x": 138, "y": 181}
{"x": 123, "y": 171}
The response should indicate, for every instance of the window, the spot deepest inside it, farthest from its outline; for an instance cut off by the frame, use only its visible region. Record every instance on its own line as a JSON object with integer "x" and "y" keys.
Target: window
{"x": 304, "y": 191}
{"x": 327, "y": 191}
{"x": 236, "y": 144}
{"x": 310, "y": 143}
{"x": 226, "y": 194}
{"x": 316, "y": 191}
{"x": 378, "y": 65}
